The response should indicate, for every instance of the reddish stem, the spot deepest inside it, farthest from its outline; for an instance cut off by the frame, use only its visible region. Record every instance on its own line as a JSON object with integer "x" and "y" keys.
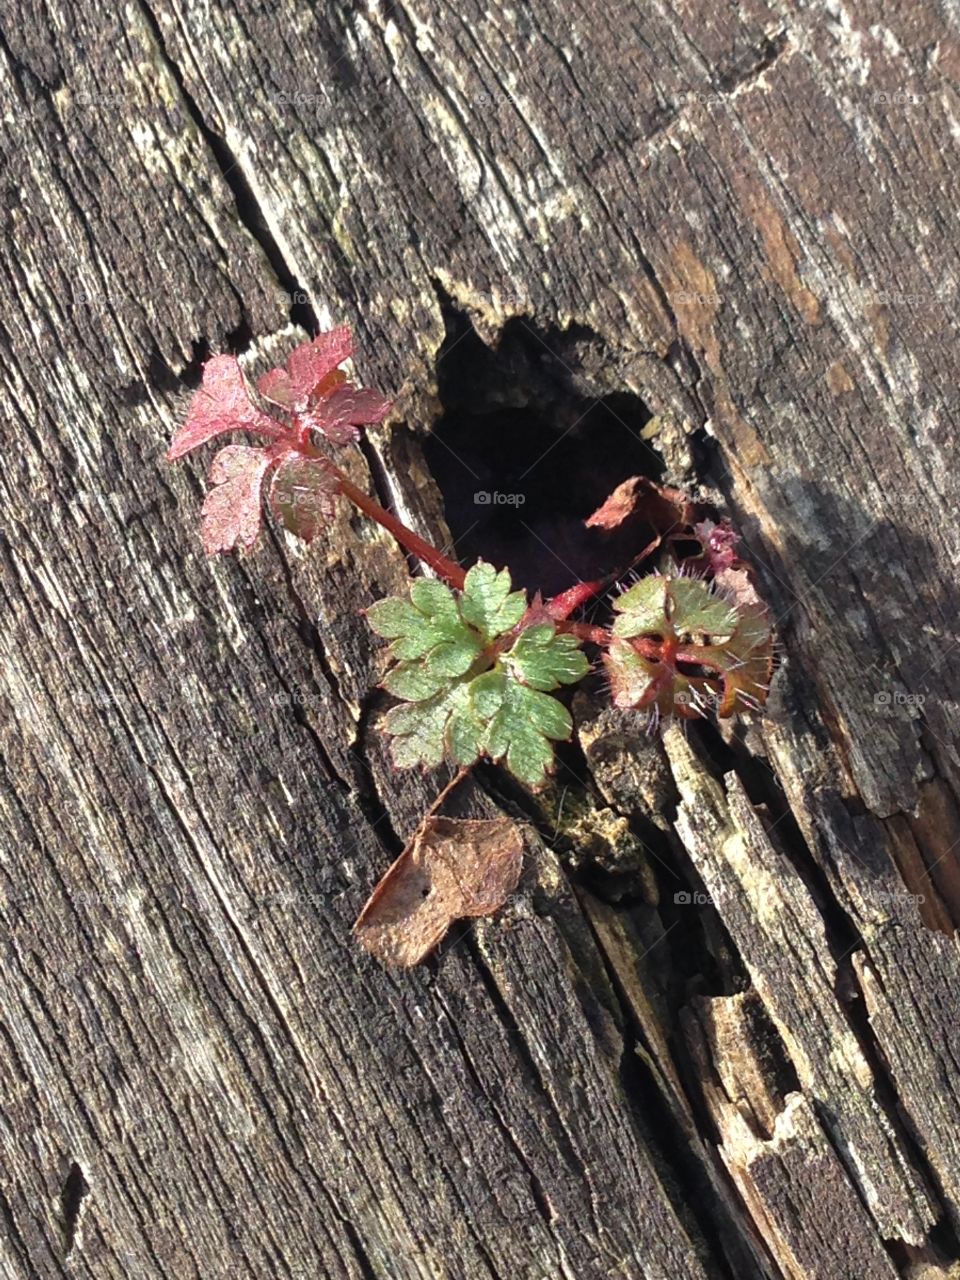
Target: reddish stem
{"x": 584, "y": 631}
{"x": 445, "y": 568}
{"x": 561, "y": 606}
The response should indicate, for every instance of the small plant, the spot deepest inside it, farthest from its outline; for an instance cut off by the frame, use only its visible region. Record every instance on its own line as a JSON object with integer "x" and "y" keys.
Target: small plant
{"x": 475, "y": 665}
{"x": 474, "y": 672}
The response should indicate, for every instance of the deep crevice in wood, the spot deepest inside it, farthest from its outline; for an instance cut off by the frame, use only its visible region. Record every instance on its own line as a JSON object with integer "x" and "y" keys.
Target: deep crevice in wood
{"x": 532, "y": 437}
{"x": 773, "y": 809}
{"x": 367, "y": 792}
{"x": 659, "y": 1126}
{"x": 681, "y": 1166}
{"x": 75, "y": 1188}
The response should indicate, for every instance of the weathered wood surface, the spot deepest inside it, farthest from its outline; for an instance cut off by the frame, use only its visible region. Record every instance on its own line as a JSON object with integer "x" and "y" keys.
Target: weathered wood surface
{"x": 744, "y": 218}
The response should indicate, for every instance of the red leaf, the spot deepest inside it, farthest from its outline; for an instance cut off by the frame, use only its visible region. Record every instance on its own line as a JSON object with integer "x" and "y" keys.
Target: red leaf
{"x": 222, "y": 404}
{"x": 302, "y": 495}
{"x": 339, "y": 414}
{"x": 314, "y": 395}
{"x": 231, "y": 509}
{"x": 315, "y": 390}
{"x": 310, "y": 363}
{"x": 621, "y": 504}
{"x": 641, "y": 499}
{"x": 275, "y": 386}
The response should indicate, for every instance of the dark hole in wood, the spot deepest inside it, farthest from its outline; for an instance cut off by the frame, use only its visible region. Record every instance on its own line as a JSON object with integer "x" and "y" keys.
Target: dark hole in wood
{"x": 527, "y": 447}
{"x": 74, "y": 1189}
{"x": 684, "y": 547}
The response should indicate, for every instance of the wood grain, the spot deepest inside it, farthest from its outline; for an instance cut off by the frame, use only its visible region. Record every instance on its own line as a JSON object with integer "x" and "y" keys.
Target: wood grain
{"x": 714, "y": 1034}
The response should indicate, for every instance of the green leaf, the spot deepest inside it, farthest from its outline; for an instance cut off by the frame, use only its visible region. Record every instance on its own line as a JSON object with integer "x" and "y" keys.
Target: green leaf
{"x": 486, "y": 693}
{"x": 544, "y": 660}
{"x": 492, "y": 715}
{"x": 419, "y": 729}
{"x": 393, "y": 617}
{"x": 453, "y": 656}
{"x": 745, "y": 660}
{"x": 487, "y": 603}
{"x": 695, "y": 610}
{"x": 412, "y": 682}
{"x": 720, "y": 651}
{"x": 452, "y": 708}
{"x": 673, "y": 606}
{"x": 643, "y": 608}
{"x": 434, "y": 600}
{"x": 428, "y": 626}
{"x": 530, "y": 758}
{"x": 465, "y": 733}
{"x": 521, "y": 731}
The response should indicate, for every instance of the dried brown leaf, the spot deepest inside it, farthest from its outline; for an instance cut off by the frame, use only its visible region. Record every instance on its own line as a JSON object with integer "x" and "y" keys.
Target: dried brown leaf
{"x": 642, "y": 499}
{"x": 451, "y": 869}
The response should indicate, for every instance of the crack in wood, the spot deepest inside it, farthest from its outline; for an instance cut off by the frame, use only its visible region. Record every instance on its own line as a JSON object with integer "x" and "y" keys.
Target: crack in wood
{"x": 249, "y": 210}
{"x": 75, "y": 1190}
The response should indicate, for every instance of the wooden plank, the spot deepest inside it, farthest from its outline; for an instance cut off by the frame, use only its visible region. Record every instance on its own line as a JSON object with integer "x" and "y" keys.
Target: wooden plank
{"x": 739, "y": 220}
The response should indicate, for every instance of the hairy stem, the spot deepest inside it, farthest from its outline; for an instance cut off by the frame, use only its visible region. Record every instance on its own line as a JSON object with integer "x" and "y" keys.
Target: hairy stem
{"x": 561, "y": 606}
